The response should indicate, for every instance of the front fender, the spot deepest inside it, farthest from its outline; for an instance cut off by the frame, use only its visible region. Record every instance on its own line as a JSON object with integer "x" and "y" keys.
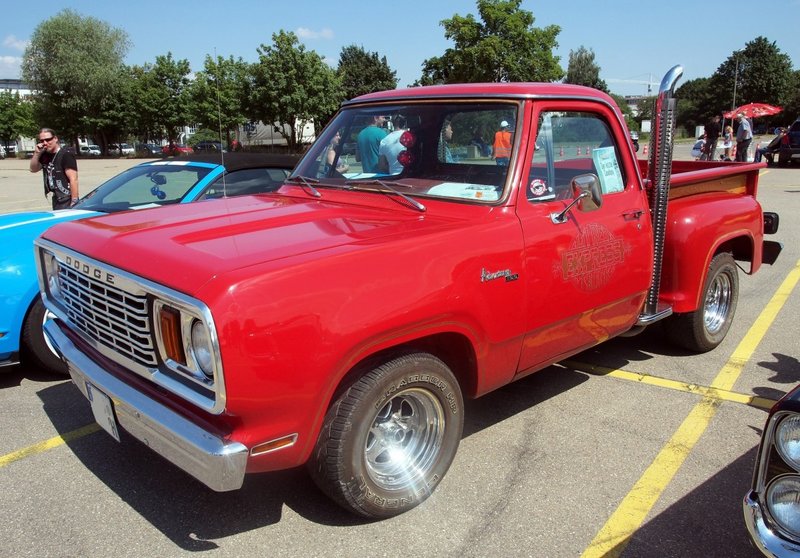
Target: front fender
{"x": 699, "y": 227}
{"x": 19, "y": 285}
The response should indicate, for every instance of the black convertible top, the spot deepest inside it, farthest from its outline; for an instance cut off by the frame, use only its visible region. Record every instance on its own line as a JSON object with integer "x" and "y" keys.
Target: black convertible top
{"x": 238, "y": 161}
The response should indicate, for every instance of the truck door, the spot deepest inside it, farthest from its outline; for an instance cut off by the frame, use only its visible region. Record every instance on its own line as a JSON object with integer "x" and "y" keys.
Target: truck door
{"x": 586, "y": 277}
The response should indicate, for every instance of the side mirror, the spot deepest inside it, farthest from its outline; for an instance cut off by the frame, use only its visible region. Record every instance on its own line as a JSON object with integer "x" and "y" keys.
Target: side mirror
{"x": 587, "y": 184}
{"x": 586, "y": 194}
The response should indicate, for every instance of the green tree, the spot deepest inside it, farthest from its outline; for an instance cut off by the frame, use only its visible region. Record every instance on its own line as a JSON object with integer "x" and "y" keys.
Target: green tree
{"x": 626, "y": 112}
{"x": 697, "y": 103}
{"x": 761, "y": 74}
{"x": 504, "y": 46}
{"x": 75, "y": 65}
{"x": 583, "y": 70}
{"x": 161, "y": 97}
{"x": 142, "y": 103}
{"x": 218, "y": 95}
{"x": 791, "y": 108}
{"x": 362, "y": 72}
{"x": 292, "y": 86}
{"x": 16, "y": 117}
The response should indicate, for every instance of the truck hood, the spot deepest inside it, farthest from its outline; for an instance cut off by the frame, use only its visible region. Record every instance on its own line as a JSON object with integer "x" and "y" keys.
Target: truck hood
{"x": 185, "y": 246}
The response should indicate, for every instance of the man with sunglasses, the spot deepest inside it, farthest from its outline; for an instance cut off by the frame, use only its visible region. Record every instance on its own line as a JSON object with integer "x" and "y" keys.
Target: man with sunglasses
{"x": 60, "y": 169}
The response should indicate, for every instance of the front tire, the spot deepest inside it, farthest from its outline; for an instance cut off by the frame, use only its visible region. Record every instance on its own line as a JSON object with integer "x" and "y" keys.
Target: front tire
{"x": 705, "y": 328}
{"x": 388, "y": 440}
{"x": 36, "y": 346}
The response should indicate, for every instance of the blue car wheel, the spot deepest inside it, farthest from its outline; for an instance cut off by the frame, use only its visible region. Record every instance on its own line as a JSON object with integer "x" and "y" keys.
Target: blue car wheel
{"x": 38, "y": 350}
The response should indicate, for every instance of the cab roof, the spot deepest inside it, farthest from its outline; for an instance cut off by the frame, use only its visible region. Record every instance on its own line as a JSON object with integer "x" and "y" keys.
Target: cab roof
{"x": 516, "y": 90}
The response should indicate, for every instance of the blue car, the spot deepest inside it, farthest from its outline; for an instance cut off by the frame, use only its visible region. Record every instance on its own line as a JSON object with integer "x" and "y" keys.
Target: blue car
{"x": 151, "y": 184}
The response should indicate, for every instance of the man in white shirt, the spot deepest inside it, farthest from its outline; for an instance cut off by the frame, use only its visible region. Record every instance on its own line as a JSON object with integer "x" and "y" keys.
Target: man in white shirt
{"x": 390, "y": 147}
{"x": 744, "y": 135}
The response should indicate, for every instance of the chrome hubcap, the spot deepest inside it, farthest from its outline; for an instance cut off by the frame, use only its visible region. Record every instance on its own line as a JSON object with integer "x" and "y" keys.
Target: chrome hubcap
{"x": 718, "y": 303}
{"x": 404, "y": 439}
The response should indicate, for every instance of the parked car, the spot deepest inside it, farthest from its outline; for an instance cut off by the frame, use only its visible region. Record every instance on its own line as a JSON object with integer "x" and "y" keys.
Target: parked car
{"x": 791, "y": 154}
{"x": 772, "y": 506}
{"x": 213, "y": 146}
{"x": 176, "y": 149}
{"x": 10, "y": 149}
{"x": 148, "y": 150}
{"x": 90, "y": 150}
{"x": 2, "y": 152}
{"x": 149, "y": 184}
{"x": 120, "y": 149}
{"x": 635, "y": 140}
{"x": 340, "y": 322}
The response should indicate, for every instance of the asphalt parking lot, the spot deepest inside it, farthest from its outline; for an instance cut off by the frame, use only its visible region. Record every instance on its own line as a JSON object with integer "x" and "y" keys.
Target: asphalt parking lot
{"x": 632, "y": 449}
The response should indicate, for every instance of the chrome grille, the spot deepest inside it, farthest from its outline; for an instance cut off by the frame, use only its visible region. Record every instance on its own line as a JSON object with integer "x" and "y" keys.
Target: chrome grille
{"x": 108, "y": 314}
{"x": 112, "y": 311}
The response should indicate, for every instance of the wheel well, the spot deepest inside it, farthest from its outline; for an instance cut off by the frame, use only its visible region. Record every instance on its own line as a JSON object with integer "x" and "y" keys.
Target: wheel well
{"x": 453, "y": 349}
{"x": 741, "y": 247}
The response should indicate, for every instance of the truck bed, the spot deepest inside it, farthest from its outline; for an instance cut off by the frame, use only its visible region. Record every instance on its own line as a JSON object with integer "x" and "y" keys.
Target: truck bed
{"x": 697, "y": 177}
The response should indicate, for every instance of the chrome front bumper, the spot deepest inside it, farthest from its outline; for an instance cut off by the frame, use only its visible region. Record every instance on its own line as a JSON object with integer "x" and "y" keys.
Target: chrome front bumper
{"x": 214, "y": 461}
{"x": 768, "y": 541}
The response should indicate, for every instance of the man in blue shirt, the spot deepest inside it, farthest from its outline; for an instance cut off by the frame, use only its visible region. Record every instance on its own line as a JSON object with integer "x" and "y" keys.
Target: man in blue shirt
{"x": 369, "y": 142}
{"x": 744, "y": 135}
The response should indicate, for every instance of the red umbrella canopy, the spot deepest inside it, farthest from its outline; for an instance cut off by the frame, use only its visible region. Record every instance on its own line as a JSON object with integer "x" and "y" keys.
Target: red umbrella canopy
{"x": 753, "y": 110}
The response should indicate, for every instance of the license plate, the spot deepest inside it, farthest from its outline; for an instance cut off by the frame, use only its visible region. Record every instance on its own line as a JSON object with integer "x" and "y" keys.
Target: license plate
{"x": 103, "y": 410}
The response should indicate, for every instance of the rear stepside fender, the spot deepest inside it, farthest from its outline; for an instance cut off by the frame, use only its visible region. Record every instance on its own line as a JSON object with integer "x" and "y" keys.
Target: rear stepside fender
{"x": 700, "y": 227}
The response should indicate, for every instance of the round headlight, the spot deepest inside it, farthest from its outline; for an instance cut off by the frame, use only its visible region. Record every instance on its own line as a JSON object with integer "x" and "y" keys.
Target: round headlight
{"x": 51, "y": 273}
{"x": 783, "y": 501}
{"x": 201, "y": 348}
{"x": 787, "y": 440}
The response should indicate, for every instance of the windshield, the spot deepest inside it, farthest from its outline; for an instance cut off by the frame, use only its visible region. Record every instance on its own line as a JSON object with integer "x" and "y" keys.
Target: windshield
{"x": 144, "y": 186}
{"x": 431, "y": 149}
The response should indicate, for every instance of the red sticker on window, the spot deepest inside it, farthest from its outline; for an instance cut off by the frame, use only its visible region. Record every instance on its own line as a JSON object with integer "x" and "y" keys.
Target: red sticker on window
{"x": 538, "y": 187}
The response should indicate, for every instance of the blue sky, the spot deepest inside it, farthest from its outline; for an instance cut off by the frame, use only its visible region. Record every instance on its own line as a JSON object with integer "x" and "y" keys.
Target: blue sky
{"x": 634, "y": 41}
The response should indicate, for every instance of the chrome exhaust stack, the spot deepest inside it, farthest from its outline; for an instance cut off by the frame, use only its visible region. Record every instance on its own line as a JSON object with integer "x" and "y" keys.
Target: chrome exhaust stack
{"x": 659, "y": 170}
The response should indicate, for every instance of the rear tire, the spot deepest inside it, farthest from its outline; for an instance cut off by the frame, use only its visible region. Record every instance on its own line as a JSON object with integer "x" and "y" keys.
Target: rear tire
{"x": 388, "y": 440}
{"x": 705, "y": 328}
{"x": 37, "y": 348}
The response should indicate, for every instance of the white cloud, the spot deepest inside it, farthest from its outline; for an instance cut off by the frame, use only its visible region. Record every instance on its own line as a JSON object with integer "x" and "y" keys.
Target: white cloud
{"x": 17, "y": 44}
{"x": 10, "y": 67}
{"x": 306, "y": 33}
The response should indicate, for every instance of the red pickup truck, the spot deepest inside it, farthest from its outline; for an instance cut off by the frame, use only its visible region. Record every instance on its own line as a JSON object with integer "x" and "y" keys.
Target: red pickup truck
{"x": 341, "y": 321}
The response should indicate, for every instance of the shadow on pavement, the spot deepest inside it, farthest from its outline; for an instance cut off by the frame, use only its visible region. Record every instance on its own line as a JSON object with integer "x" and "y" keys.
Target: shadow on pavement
{"x": 703, "y": 522}
{"x": 192, "y": 516}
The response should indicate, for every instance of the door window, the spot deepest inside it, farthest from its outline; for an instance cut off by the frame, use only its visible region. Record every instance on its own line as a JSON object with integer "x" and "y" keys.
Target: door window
{"x": 569, "y": 144}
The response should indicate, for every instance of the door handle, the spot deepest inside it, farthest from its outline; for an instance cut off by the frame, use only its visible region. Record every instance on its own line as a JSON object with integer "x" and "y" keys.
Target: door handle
{"x": 632, "y": 215}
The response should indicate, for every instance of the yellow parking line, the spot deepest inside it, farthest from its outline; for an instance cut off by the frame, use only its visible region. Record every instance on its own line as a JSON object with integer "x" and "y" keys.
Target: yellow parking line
{"x": 715, "y": 393}
{"x": 615, "y": 535}
{"x": 48, "y": 444}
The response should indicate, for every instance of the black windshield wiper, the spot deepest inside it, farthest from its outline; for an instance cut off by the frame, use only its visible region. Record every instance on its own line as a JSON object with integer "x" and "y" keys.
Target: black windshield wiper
{"x": 387, "y": 187}
{"x": 307, "y": 182}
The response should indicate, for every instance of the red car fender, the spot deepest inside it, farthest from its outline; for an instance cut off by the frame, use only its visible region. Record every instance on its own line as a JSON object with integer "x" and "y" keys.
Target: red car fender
{"x": 290, "y": 335}
{"x": 698, "y": 228}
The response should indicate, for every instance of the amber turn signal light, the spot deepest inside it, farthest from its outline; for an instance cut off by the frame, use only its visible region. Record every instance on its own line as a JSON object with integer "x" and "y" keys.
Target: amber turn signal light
{"x": 170, "y": 320}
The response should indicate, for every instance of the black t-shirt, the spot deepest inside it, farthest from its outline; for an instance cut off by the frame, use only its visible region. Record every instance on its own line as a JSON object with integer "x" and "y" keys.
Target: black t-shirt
{"x": 54, "y": 165}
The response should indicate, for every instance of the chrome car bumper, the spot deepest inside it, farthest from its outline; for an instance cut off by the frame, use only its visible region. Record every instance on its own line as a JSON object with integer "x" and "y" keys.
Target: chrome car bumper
{"x": 768, "y": 541}
{"x": 214, "y": 461}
